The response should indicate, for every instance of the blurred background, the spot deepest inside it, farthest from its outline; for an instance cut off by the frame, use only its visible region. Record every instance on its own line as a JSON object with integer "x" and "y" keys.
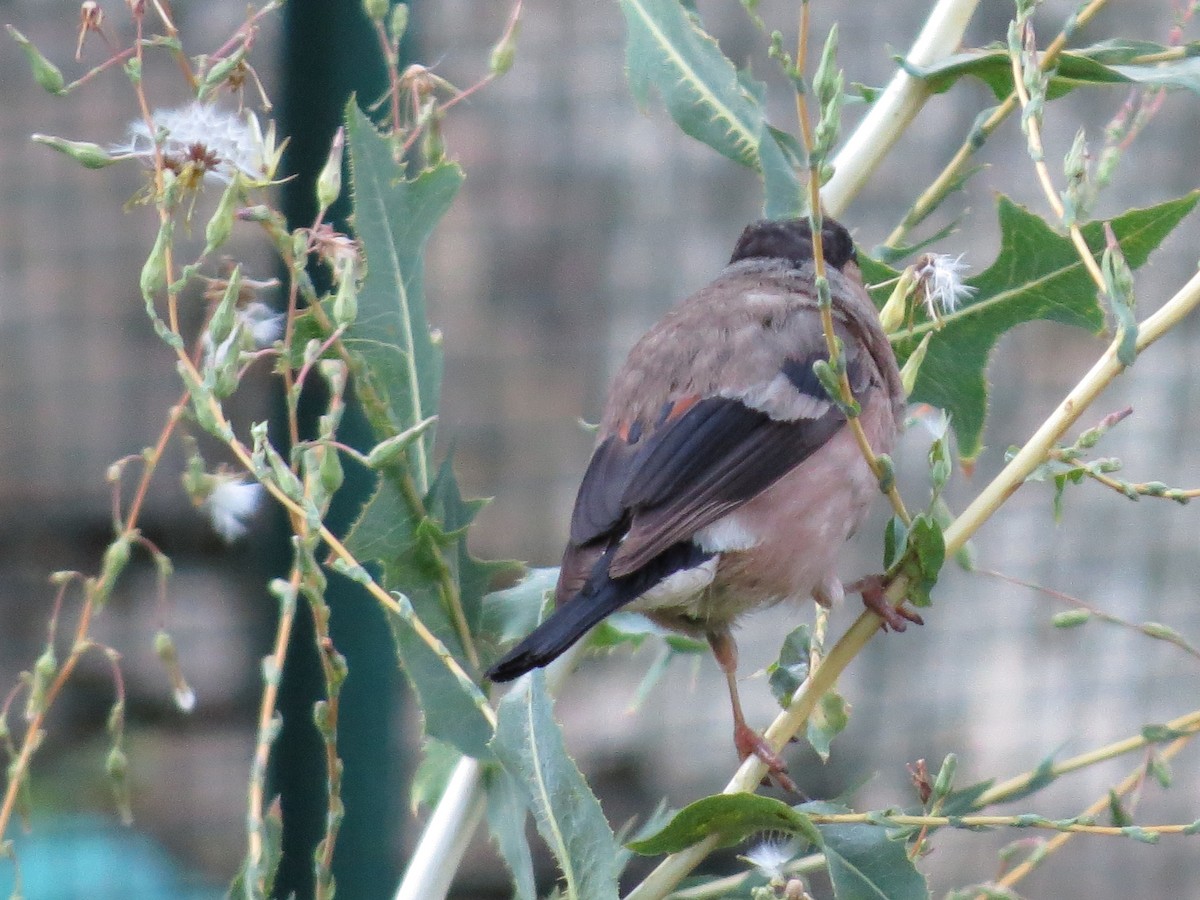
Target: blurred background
{"x": 582, "y": 220}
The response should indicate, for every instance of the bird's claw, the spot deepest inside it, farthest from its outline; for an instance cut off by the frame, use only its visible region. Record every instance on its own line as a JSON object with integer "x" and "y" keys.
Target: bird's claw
{"x": 750, "y": 743}
{"x": 894, "y": 617}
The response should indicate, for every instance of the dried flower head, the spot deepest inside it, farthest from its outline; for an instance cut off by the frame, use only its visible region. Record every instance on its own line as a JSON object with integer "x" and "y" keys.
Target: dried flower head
{"x": 256, "y": 325}
{"x": 772, "y": 855}
{"x": 939, "y": 276}
{"x": 339, "y": 251}
{"x": 200, "y": 141}
{"x": 231, "y": 502}
{"x": 91, "y": 18}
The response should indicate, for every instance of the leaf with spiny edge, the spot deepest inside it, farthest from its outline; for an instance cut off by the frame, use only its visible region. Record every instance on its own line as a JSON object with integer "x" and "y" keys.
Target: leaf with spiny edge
{"x": 668, "y": 50}
{"x": 530, "y": 746}
{"x": 414, "y": 526}
{"x": 1037, "y": 275}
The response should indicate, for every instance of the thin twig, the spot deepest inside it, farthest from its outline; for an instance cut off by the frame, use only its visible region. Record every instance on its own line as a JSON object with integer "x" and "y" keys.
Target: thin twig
{"x": 1037, "y": 151}
{"x": 1131, "y": 781}
{"x": 954, "y": 169}
{"x": 891, "y": 114}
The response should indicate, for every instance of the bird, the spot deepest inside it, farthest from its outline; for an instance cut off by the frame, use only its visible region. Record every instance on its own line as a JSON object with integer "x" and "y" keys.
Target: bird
{"x": 724, "y": 477}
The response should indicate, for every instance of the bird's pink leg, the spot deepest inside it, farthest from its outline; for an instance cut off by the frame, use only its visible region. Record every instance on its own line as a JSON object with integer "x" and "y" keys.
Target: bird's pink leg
{"x": 746, "y": 739}
{"x": 895, "y": 617}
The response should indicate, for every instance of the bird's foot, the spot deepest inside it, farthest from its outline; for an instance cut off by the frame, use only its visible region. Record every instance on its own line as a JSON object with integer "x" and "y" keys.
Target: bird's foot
{"x": 750, "y": 743}
{"x": 894, "y": 617}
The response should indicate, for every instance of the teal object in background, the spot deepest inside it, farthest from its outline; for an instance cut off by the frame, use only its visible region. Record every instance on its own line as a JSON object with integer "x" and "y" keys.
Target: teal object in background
{"x": 91, "y": 857}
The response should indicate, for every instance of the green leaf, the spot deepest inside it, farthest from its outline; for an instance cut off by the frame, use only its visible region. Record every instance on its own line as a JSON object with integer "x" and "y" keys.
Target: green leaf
{"x": 829, "y": 719}
{"x": 512, "y": 613}
{"x": 863, "y": 863}
{"x": 731, "y": 817}
{"x": 1160, "y": 734}
{"x": 433, "y": 773}
{"x": 668, "y": 51}
{"x": 788, "y": 672}
{"x": 965, "y": 800}
{"x": 530, "y": 746}
{"x": 393, "y": 218}
{"x": 446, "y": 506}
{"x": 452, "y": 707}
{"x": 1111, "y": 62}
{"x": 507, "y": 810}
{"x": 415, "y": 524}
{"x": 1037, "y": 275}
{"x": 412, "y": 554}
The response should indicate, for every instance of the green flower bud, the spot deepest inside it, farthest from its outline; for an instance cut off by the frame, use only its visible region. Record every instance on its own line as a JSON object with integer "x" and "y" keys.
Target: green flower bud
{"x": 329, "y": 182}
{"x": 44, "y": 72}
{"x": 90, "y": 156}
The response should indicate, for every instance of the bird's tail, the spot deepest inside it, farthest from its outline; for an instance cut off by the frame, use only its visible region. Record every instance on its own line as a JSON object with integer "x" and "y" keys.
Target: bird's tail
{"x": 564, "y": 627}
{"x": 601, "y": 596}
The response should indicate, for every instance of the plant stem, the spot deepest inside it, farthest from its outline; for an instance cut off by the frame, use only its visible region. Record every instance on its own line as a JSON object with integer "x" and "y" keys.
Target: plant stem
{"x": 1006, "y": 789}
{"x": 1131, "y": 781}
{"x": 1038, "y": 152}
{"x": 900, "y": 102}
{"x": 446, "y": 836}
{"x": 953, "y": 172}
{"x": 266, "y": 714}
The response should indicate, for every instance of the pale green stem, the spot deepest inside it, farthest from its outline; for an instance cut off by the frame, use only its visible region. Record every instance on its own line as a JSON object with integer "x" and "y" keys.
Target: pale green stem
{"x": 446, "y": 835}
{"x": 896, "y": 107}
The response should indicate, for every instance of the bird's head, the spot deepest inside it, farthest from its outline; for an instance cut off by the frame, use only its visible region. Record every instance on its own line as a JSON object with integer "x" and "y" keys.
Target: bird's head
{"x": 791, "y": 240}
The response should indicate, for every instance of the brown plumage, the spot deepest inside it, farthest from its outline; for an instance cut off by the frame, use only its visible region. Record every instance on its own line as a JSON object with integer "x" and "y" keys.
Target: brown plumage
{"x": 724, "y": 478}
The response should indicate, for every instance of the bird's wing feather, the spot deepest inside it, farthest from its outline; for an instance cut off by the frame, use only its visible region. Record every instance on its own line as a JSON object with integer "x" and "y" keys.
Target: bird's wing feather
{"x": 711, "y": 460}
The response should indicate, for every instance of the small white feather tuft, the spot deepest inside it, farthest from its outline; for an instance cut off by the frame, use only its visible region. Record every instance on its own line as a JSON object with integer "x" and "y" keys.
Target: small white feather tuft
{"x": 727, "y": 533}
{"x": 679, "y": 587}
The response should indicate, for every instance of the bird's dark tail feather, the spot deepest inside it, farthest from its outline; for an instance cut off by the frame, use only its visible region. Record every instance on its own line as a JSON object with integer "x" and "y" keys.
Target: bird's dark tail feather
{"x": 564, "y": 627}
{"x": 600, "y": 597}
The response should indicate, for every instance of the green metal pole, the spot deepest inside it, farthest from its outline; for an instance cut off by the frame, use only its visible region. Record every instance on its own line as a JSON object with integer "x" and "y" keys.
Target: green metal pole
{"x": 330, "y": 52}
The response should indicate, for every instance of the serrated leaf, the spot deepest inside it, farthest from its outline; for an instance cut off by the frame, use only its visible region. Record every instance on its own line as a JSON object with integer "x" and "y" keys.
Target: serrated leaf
{"x": 507, "y": 810}
{"x": 414, "y": 526}
{"x": 1111, "y": 62}
{"x": 863, "y": 863}
{"x": 410, "y": 560}
{"x": 668, "y": 51}
{"x": 731, "y": 818}
{"x": 530, "y": 746}
{"x": 393, "y": 219}
{"x": 452, "y": 708}
{"x": 1036, "y": 275}
{"x": 512, "y": 613}
{"x": 474, "y": 577}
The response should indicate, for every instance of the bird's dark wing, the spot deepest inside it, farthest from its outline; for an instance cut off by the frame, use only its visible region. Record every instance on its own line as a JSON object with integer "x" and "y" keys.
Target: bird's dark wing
{"x": 708, "y": 462}
{"x": 703, "y": 459}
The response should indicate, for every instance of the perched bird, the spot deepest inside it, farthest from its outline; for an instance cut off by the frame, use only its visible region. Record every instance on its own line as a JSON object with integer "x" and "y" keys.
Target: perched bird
{"x": 724, "y": 478}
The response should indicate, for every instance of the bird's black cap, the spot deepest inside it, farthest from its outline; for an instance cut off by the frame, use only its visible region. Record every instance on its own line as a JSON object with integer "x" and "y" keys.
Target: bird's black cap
{"x": 791, "y": 239}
